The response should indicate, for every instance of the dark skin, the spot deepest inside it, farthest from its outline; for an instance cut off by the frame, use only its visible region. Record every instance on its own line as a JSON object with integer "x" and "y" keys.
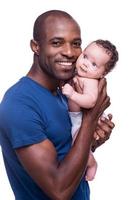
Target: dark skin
{"x": 54, "y": 61}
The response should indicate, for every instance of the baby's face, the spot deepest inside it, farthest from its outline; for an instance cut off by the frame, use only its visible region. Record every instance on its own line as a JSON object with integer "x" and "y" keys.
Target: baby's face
{"x": 92, "y": 62}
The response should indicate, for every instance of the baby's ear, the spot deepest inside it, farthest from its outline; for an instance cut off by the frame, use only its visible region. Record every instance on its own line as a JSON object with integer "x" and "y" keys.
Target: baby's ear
{"x": 35, "y": 46}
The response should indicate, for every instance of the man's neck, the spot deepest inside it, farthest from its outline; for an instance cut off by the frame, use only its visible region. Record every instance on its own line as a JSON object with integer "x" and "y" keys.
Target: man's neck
{"x": 43, "y": 79}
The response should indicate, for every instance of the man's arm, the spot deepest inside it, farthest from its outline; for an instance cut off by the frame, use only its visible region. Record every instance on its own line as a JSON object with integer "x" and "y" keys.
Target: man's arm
{"x": 57, "y": 179}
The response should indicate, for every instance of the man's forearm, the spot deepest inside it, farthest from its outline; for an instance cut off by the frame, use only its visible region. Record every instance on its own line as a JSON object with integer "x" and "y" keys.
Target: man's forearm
{"x": 75, "y": 162}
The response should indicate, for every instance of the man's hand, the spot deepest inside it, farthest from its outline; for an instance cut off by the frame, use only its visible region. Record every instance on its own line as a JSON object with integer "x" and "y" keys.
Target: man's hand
{"x": 103, "y": 131}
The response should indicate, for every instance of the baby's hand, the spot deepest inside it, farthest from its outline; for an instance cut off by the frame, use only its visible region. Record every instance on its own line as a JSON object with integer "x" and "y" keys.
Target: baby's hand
{"x": 67, "y": 90}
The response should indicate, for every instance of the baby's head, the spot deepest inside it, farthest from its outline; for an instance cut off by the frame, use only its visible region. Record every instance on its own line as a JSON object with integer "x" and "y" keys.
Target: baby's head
{"x": 97, "y": 59}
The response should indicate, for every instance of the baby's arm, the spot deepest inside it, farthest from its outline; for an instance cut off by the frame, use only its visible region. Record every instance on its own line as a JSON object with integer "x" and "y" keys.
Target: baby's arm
{"x": 89, "y": 96}
{"x": 91, "y": 167}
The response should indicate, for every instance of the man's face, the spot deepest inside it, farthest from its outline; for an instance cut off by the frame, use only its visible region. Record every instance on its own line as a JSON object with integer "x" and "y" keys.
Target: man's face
{"x": 59, "y": 48}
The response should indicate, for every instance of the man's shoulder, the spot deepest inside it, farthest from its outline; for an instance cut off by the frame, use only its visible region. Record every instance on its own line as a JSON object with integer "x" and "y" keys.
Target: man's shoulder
{"x": 17, "y": 93}
{"x": 24, "y": 88}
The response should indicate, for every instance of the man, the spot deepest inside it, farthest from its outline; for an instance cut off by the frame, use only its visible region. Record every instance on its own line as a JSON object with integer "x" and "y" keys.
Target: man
{"x": 35, "y": 129}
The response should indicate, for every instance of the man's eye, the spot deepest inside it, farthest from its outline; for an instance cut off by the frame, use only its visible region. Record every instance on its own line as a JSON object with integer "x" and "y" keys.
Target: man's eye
{"x": 56, "y": 43}
{"x": 77, "y": 44}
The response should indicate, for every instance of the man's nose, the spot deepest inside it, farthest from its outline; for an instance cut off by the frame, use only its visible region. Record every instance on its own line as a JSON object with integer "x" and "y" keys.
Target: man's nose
{"x": 68, "y": 50}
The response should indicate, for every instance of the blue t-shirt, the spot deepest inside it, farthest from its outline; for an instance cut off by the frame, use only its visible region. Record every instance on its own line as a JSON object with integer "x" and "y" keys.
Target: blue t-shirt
{"x": 29, "y": 114}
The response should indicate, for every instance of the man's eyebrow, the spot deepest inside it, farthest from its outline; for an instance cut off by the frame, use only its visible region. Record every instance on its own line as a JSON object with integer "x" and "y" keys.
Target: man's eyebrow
{"x": 61, "y": 38}
{"x": 79, "y": 39}
{"x": 56, "y": 38}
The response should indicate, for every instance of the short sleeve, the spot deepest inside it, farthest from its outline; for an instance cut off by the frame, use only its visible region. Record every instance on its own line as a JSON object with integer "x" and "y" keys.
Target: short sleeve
{"x": 24, "y": 124}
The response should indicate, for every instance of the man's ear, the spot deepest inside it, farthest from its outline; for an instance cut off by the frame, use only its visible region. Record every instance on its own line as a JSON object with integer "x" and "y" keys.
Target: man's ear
{"x": 35, "y": 46}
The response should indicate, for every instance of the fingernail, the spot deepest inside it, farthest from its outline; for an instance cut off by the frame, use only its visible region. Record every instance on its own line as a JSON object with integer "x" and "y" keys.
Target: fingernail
{"x": 102, "y": 118}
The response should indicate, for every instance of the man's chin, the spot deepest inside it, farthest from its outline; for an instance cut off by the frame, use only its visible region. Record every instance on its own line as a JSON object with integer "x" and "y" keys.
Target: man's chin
{"x": 66, "y": 76}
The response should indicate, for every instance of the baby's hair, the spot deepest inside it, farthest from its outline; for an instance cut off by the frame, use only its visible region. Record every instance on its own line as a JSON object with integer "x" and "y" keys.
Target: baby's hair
{"x": 110, "y": 50}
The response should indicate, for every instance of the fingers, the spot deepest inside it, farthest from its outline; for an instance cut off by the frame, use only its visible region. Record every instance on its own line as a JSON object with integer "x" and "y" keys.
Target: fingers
{"x": 103, "y": 131}
{"x": 102, "y": 84}
{"x": 105, "y": 123}
{"x": 105, "y": 104}
{"x": 96, "y": 144}
{"x": 103, "y": 92}
{"x": 103, "y": 99}
{"x": 96, "y": 136}
{"x": 100, "y": 134}
{"x": 110, "y": 116}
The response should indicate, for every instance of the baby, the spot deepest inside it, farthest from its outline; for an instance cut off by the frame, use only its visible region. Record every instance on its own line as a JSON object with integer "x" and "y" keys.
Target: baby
{"x": 97, "y": 60}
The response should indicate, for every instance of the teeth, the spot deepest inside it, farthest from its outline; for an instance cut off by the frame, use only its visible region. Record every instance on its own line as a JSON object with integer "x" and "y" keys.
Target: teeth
{"x": 65, "y": 63}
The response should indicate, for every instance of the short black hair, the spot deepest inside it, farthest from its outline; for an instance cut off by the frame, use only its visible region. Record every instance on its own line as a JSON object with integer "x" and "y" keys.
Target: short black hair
{"x": 40, "y": 21}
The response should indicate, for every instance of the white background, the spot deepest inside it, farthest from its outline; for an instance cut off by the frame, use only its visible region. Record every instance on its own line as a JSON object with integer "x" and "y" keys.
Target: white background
{"x": 104, "y": 19}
